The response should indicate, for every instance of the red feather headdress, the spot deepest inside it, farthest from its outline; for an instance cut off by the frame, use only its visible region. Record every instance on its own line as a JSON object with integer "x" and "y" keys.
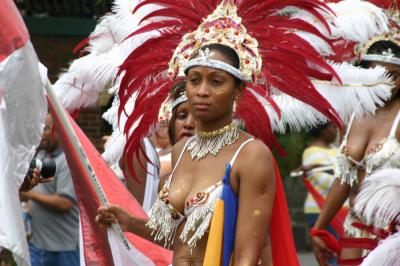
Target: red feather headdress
{"x": 283, "y": 40}
{"x": 274, "y": 44}
{"x": 288, "y": 61}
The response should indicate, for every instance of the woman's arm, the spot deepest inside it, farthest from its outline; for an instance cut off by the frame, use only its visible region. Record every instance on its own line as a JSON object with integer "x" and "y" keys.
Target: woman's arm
{"x": 336, "y": 197}
{"x": 256, "y": 196}
{"x": 106, "y": 215}
{"x": 334, "y": 201}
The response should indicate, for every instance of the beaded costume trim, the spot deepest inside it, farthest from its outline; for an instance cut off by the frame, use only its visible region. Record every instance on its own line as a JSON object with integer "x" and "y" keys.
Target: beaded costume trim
{"x": 164, "y": 219}
{"x": 346, "y": 170}
{"x": 205, "y": 143}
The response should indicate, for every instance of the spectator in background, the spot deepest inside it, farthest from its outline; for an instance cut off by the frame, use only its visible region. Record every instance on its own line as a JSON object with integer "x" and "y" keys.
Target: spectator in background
{"x": 321, "y": 152}
{"x": 55, "y": 217}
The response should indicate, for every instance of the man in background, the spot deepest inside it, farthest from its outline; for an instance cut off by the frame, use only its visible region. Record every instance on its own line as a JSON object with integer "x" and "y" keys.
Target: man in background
{"x": 55, "y": 216}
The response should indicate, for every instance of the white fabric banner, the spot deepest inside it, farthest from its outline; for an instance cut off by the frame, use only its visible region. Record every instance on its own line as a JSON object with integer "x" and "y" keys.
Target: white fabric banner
{"x": 124, "y": 257}
{"x": 23, "y": 108}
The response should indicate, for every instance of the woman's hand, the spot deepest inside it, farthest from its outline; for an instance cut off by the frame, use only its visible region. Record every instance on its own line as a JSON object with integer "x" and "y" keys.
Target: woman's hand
{"x": 106, "y": 215}
{"x": 321, "y": 251}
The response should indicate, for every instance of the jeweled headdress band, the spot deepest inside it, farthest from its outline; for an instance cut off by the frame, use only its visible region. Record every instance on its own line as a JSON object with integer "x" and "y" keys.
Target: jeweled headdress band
{"x": 381, "y": 58}
{"x": 181, "y": 99}
{"x": 214, "y": 64}
{"x": 204, "y": 59}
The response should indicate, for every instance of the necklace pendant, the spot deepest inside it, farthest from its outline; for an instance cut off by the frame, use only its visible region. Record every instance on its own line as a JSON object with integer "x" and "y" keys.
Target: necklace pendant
{"x": 205, "y": 143}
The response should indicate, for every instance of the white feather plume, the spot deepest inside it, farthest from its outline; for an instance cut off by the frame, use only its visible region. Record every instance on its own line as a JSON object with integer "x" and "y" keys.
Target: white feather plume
{"x": 357, "y": 20}
{"x": 114, "y": 27}
{"x": 378, "y": 201}
{"x": 362, "y": 92}
{"x": 111, "y": 115}
{"x": 89, "y": 75}
{"x": 115, "y": 147}
{"x": 85, "y": 79}
{"x": 116, "y": 143}
{"x": 386, "y": 253}
{"x": 353, "y": 20}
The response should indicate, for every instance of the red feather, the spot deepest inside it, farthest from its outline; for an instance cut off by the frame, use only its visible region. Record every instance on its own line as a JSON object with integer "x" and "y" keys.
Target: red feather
{"x": 81, "y": 44}
{"x": 289, "y": 62}
{"x": 166, "y": 12}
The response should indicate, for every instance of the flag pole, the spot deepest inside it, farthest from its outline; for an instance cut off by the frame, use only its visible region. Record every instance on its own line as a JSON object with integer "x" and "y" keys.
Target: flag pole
{"x": 83, "y": 158}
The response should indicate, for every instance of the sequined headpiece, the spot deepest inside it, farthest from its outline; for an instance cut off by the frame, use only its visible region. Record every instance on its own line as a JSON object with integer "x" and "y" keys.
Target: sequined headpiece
{"x": 386, "y": 57}
{"x": 393, "y": 35}
{"x": 225, "y": 27}
{"x": 181, "y": 99}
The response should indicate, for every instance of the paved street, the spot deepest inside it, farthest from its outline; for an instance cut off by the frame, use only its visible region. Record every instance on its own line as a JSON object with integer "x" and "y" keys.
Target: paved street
{"x": 307, "y": 259}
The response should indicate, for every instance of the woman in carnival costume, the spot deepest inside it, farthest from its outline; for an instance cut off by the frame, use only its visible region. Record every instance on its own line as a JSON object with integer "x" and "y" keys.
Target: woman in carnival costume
{"x": 180, "y": 120}
{"x": 366, "y": 151}
{"x": 181, "y": 123}
{"x": 377, "y": 202}
{"x": 176, "y": 114}
{"x": 246, "y": 54}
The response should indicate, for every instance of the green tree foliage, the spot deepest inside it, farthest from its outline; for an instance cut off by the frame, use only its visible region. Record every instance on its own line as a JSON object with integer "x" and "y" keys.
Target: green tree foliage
{"x": 293, "y": 144}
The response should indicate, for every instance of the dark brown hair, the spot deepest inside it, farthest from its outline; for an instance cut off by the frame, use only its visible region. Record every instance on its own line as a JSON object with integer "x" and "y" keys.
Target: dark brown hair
{"x": 175, "y": 93}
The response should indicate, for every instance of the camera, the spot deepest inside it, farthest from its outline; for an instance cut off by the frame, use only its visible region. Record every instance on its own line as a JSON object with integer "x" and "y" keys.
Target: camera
{"x": 47, "y": 167}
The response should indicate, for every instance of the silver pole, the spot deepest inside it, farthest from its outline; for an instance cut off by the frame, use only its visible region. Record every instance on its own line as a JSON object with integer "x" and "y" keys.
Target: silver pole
{"x": 84, "y": 159}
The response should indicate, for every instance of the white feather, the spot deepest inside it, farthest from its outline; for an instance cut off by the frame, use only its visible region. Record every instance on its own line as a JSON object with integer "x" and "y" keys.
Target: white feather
{"x": 386, "y": 253}
{"x": 378, "y": 201}
{"x": 115, "y": 147}
{"x": 362, "y": 92}
{"x": 111, "y": 115}
{"x": 87, "y": 76}
{"x": 114, "y": 27}
{"x": 117, "y": 141}
{"x": 85, "y": 79}
{"x": 353, "y": 20}
{"x": 357, "y": 20}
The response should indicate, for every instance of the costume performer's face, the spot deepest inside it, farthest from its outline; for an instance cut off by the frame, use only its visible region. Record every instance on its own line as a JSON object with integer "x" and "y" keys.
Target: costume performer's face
{"x": 183, "y": 123}
{"x": 211, "y": 92}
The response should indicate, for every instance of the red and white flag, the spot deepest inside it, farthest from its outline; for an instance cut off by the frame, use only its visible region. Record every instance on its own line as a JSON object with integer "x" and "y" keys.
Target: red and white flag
{"x": 92, "y": 179}
{"x": 22, "y": 111}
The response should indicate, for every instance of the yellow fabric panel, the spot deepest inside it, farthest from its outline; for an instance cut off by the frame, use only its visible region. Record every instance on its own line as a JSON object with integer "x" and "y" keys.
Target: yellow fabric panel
{"x": 213, "y": 253}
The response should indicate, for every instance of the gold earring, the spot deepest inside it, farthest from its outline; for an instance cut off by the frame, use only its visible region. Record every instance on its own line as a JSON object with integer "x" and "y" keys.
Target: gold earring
{"x": 234, "y": 106}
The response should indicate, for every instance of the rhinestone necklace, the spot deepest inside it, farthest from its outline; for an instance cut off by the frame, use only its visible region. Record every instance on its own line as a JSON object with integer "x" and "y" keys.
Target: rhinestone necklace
{"x": 212, "y": 142}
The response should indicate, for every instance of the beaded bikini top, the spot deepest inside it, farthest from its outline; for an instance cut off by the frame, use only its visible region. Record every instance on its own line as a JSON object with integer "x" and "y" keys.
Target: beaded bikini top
{"x": 164, "y": 219}
{"x": 384, "y": 154}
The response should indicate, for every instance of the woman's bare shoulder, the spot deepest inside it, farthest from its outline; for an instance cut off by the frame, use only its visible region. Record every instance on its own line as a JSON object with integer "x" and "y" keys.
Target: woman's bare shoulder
{"x": 177, "y": 149}
{"x": 256, "y": 161}
{"x": 255, "y": 170}
{"x": 256, "y": 150}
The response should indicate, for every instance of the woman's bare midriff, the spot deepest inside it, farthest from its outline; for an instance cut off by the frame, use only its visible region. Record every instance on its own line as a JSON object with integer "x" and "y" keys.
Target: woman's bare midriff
{"x": 184, "y": 256}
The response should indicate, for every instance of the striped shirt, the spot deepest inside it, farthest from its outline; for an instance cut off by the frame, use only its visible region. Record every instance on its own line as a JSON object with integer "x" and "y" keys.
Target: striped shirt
{"x": 322, "y": 181}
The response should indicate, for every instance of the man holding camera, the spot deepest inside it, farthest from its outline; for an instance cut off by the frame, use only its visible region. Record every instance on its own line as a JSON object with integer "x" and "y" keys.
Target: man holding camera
{"x": 55, "y": 216}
